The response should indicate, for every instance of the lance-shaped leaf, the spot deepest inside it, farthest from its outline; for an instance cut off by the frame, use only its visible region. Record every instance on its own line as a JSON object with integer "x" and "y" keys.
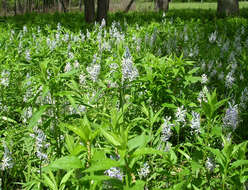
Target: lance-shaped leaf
{"x": 65, "y": 163}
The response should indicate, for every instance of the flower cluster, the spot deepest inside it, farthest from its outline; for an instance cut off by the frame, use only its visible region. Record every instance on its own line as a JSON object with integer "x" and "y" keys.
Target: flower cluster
{"x": 144, "y": 171}
{"x": 114, "y": 172}
{"x": 181, "y": 114}
{"x": 7, "y": 159}
{"x": 40, "y": 142}
{"x": 94, "y": 71}
{"x": 231, "y": 118}
{"x": 166, "y": 129}
{"x": 210, "y": 164}
{"x": 195, "y": 122}
{"x": 129, "y": 71}
{"x": 5, "y": 78}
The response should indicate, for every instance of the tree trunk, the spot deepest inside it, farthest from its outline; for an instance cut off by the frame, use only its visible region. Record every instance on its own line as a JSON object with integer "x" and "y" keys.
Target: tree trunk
{"x": 129, "y": 6}
{"x": 15, "y": 8}
{"x": 4, "y": 4}
{"x": 228, "y": 7}
{"x": 62, "y": 4}
{"x": 89, "y": 10}
{"x": 102, "y": 10}
{"x": 80, "y": 5}
{"x": 162, "y": 5}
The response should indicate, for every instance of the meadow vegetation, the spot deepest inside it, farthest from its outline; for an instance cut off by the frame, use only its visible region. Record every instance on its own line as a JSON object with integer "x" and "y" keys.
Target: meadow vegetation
{"x": 146, "y": 101}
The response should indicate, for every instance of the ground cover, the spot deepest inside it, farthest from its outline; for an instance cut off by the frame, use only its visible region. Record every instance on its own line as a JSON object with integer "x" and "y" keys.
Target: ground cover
{"x": 147, "y": 101}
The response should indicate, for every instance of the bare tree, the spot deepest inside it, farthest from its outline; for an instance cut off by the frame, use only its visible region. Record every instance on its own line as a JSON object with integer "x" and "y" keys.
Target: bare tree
{"x": 129, "y": 6}
{"x": 228, "y": 7}
{"x": 4, "y": 5}
{"x": 102, "y": 9}
{"x": 89, "y": 10}
{"x": 162, "y": 5}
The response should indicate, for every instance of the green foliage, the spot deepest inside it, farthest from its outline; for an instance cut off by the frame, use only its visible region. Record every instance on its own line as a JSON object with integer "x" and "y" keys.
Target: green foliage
{"x": 125, "y": 106}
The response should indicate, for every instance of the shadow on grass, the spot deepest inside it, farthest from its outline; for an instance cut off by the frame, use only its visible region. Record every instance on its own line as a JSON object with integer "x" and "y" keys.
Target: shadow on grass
{"x": 75, "y": 21}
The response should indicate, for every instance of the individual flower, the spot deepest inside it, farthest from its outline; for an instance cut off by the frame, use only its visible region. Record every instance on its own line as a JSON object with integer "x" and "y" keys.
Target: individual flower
{"x": 114, "y": 172}
{"x": 40, "y": 143}
{"x": 210, "y": 165}
{"x": 195, "y": 123}
{"x": 212, "y": 38}
{"x": 244, "y": 98}
{"x": 144, "y": 171}
{"x": 229, "y": 80}
{"x": 180, "y": 114}
{"x": 231, "y": 118}
{"x": 7, "y": 159}
{"x": 27, "y": 55}
{"x": 204, "y": 79}
{"x": 27, "y": 114}
{"x": 5, "y": 78}
{"x": 129, "y": 72}
{"x": 94, "y": 71}
{"x": 166, "y": 129}
{"x": 76, "y": 64}
{"x": 82, "y": 78}
{"x": 68, "y": 67}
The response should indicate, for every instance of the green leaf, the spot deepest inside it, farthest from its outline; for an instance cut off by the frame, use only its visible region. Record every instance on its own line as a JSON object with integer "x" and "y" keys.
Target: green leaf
{"x": 66, "y": 177}
{"x": 78, "y": 131}
{"x": 37, "y": 115}
{"x": 137, "y": 186}
{"x": 95, "y": 178}
{"x": 194, "y": 70}
{"x": 112, "y": 138}
{"x": 144, "y": 151}
{"x": 8, "y": 119}
{"x": 50, "y": 181}
{"x": 65, "y": 163}
{"x": 137, "y": 141}
{"x": 103, "y": 164}
{"x": 239, "y": 163}
{"x": 184, "y": 154}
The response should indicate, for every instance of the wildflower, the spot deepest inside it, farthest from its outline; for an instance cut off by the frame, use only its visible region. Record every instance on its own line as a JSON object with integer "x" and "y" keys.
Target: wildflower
{"x": 25, "y": 30}
{"x": 129, "y": 72}
{"x": 210, "y": 165}
{"x": 51, "y": 44}
{"x": 203, "y": 66}
{"x": 166, "y": 129}
{"x": 204, "y": 79}
{"x": 40, "y": 142}
{"x": 231, "y": 118}
{"x": 94, "y": 71}
{"x": 68, "y": 67}
{"x": 195, "y": 122}
{"x": 244, "y": 98}
{"x": 144, "y": 171}
{"x": 180, "y": 114}
{"x": 71, "y": 55}
{"x": 5, "y": 78}
{"x": 27, "y": 114}
{"x": 114, "y": 172}
{"x": 212, "y": 37}
{"x": 27, "y": 55}
{"x": 113, "y": 67}
{"x": 103, "y": 23}
{"x": 7, "y": 159}
{"x": 76, "y": 64}
{"x": 88, "y": 34}
{"x": 58, "y": 26}
{"x": 82, "y": 78}
{"x": 241, "y": 76}
{"x": 229, "y": 80}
